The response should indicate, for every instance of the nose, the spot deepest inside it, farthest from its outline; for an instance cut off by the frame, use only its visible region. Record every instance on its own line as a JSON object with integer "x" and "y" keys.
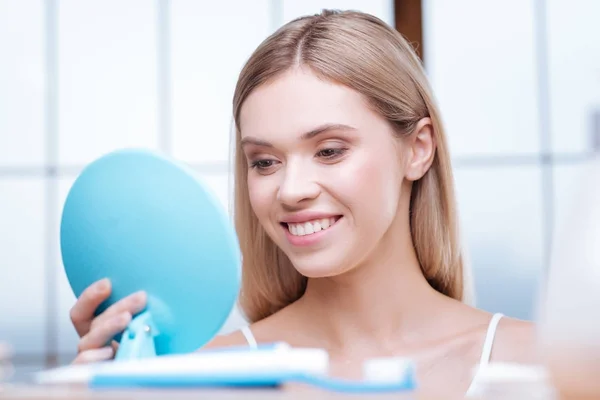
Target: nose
{"x": 298, "y": 185}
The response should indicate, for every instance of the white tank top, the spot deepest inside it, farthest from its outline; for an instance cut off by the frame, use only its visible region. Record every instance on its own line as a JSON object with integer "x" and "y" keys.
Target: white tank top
{"x": 484, "y": 360}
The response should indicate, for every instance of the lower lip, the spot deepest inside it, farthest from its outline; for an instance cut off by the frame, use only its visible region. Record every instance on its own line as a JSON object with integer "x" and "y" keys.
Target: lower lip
{"x": 310, "y": 239}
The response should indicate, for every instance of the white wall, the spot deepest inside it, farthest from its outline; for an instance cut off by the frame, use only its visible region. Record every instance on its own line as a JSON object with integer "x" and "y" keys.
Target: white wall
{"x": 518, "y": 82}
{"x": 78, "y": 79}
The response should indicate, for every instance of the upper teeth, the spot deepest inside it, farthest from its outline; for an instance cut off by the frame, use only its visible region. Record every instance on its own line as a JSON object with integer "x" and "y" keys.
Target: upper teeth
{"x": 306, "y": 228}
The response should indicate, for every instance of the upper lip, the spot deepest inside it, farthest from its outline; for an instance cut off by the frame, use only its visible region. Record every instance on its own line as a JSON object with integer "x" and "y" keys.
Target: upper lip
{"x": 306, "y": 216}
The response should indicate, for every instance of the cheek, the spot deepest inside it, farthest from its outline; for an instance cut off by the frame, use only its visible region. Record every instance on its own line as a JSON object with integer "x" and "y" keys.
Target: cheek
{"x": 260, "y": 196}
{"x": 372, "y": 188}
{"x": 372, "y": 194}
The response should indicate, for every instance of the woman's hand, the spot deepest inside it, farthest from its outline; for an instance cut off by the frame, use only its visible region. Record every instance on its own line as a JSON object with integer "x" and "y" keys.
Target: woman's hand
{"x": 96, "y": 333}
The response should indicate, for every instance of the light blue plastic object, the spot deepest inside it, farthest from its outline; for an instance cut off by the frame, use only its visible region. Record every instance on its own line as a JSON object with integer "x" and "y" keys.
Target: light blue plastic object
{"x": 263, "y": 375}
{"x": 148, "y": 223}
{"x": 273, "y": 380}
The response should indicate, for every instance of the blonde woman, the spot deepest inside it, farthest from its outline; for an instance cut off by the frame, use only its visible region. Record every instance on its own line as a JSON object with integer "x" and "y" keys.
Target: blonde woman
{"x": 345, "y": 211}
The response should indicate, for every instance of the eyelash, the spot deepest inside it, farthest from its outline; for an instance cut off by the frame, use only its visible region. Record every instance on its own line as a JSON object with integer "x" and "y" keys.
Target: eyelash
{"x": 337, "y": 152}
{"x": 255, "y": 164}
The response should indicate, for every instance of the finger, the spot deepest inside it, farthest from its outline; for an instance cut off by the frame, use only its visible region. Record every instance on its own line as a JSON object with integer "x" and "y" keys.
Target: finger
{"x": 132, "y": 304}
{"x": 115, "y": 346}
{"x": 94, "y": 355}
{"x": 83, "y": 311}
{"x": 102, "y": 334}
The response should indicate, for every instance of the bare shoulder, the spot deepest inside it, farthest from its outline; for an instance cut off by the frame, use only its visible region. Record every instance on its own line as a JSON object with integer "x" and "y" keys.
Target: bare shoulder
{"x": 232, "y": 339}
{"x": 268, "y": 330}
{"x": 515, "y": 341}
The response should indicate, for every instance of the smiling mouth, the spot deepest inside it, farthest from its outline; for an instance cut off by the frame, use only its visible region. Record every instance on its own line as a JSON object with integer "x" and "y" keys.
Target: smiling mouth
{"x": 310, "y": 227}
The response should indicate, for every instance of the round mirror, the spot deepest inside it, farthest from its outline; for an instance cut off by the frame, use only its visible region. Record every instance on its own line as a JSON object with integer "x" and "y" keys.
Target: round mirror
{"x": 148, "y": 223}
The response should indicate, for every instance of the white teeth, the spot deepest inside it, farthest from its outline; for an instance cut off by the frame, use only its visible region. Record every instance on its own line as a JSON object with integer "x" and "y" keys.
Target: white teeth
{"x": 317, "y": 226}
{"x": 307, "y": 228}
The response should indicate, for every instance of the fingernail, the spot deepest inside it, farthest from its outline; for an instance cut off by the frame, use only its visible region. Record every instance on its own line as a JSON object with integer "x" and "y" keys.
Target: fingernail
{"x": 139, "y": 297}
{"x": 102, "y": 285}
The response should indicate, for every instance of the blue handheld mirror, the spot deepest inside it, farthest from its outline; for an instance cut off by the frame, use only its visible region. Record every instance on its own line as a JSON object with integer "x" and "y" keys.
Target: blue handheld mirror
{"x": 148, "y": 223}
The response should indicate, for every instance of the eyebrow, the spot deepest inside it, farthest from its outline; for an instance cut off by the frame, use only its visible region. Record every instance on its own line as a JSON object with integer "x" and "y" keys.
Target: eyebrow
{"x": 305, "y": 136}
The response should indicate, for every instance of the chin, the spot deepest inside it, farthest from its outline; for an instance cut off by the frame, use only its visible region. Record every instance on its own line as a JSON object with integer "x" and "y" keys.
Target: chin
{"x": 322, "y": 259}
{"x": 314, "y": 273}
{"x": 317, "y": 267}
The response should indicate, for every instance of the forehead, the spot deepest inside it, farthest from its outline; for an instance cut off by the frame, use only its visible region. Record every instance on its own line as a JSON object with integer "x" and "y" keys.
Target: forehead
{"x": 298, "y": 101}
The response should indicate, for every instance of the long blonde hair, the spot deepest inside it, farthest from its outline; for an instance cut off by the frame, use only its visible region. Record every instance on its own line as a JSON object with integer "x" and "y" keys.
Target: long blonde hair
{"x": 363, "y": 53}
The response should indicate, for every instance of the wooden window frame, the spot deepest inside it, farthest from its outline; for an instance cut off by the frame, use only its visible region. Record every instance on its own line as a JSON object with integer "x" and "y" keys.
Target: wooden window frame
{"x": 408, "y": 15}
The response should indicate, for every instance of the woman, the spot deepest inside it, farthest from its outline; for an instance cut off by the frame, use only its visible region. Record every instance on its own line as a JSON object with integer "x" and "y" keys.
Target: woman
{"x": 345, "y": 211}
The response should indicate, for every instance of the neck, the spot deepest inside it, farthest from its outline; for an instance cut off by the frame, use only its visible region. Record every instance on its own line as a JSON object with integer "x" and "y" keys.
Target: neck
{"x": 383, "y": 299}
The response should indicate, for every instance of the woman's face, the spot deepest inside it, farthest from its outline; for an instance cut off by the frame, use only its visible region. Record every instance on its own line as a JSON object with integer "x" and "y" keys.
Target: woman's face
{"x": 325, "y": 172}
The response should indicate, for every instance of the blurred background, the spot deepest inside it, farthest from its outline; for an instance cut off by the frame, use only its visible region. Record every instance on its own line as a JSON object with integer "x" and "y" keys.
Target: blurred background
{"x": 518, "y": 83}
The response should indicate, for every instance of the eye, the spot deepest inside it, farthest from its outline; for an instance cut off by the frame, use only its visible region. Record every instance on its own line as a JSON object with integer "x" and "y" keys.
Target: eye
{"x": 331, "y": 153}
{"x": 262, "y": 164}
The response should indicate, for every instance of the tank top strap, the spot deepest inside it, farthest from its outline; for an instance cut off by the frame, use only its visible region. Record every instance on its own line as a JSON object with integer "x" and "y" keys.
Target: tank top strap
{"x": 486, "y": 352}
{"x": 247, "y": 332}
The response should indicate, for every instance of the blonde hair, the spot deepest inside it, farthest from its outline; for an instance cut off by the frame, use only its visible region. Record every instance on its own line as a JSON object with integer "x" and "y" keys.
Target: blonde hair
{"x": 361, "y": 52}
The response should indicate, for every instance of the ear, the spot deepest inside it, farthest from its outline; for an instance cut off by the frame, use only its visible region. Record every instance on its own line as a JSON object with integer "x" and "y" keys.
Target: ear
{"x": 420, "y": 150}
